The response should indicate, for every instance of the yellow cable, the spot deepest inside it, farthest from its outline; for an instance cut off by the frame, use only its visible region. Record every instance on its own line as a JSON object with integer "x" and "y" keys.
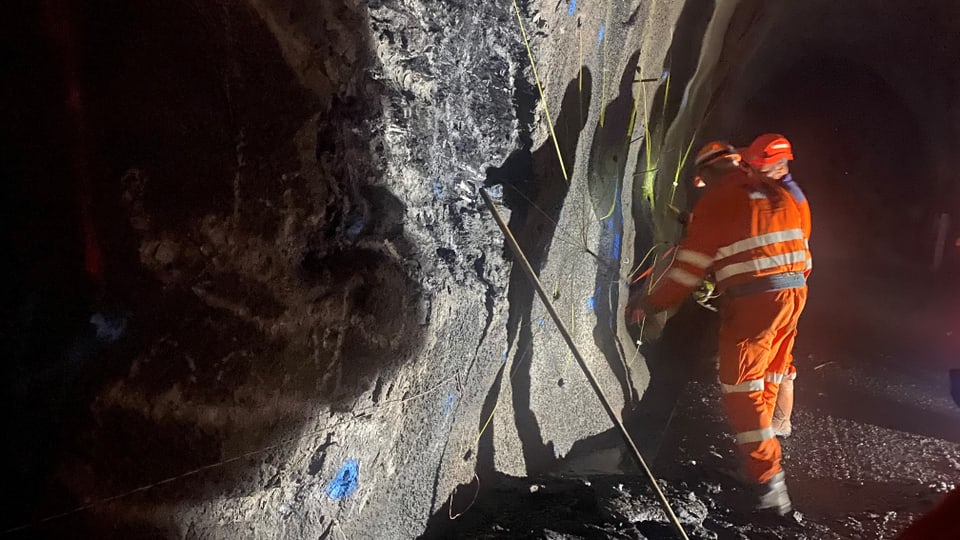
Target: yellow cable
{"x": 573, "y": 328}
{"x": 630, "y": 124}
{"x": 580, "y": 39}
{"x": 487, "y": 423}
{"x": 613, "y": 206}
{"x": 666, "y": 96}
{"x": 603, "y": 66}
{"x": 580, "y": 118}
{"x": 676, "y": 173}
{"x": 633, "y": 118}
{"x": 653, "y": 283}
{"x": 543, "y": 98}
{"x": 644, "y": 260}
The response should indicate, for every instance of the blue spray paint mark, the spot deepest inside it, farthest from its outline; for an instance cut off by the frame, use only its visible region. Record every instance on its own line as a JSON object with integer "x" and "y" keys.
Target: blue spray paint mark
{"x": 109, "y": 327}
{"x": 666, "y": 73}
{"x": 505, "y": 351}
{"x": 603, "y": 30}
{"x": 573, "y": 7}
{"x": 540, "y": 321}
{"x": 354, "y": 230}
{"x": 448, "y": 404}
{"x": 591, "y": 304}
{"x": 345, "y": 483}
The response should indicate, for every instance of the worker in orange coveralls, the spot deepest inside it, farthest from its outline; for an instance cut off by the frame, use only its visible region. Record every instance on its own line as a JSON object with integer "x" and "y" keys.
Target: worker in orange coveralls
{"x": 768, "y": 156}
{"x": 749, "y": 232}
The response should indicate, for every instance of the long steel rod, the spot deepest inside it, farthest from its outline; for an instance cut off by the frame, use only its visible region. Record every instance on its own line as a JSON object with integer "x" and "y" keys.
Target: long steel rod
{"x": 535, "y": 281}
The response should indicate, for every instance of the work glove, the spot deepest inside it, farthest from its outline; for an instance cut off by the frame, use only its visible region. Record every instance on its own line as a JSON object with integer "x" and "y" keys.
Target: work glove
{"x": 635, "y": 311}
{"x": 704, "y": 294}
{"x": 639, "y": 313}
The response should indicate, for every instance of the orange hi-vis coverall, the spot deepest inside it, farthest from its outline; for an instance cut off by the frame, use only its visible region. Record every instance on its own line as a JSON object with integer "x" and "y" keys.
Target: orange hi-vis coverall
{"x": 803, "y": 205}
{"x": 750, "y": 233}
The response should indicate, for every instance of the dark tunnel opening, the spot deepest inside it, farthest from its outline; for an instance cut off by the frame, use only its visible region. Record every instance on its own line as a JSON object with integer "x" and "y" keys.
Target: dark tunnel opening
{"x": 871, "y": 130}
{"x": 862, "y": 157}
{"x": 868, "y": 165}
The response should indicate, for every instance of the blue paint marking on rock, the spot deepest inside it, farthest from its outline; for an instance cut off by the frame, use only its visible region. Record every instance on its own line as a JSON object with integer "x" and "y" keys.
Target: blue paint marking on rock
{"x": 345, "y": 483}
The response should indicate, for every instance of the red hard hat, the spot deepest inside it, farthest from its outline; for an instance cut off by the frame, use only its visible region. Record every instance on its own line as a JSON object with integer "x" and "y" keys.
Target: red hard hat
{"x": 714, "y": 151}
{"x": 768, "y": 149}
{"x": 711, "y": 153}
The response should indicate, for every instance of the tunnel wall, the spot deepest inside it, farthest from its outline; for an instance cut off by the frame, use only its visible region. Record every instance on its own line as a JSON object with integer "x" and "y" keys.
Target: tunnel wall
{"x": 285, "y": 194}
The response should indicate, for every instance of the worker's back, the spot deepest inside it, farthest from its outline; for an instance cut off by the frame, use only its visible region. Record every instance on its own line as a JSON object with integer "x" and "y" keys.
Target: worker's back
{"x": 745, "y": 229}
{"x": 750, "y": 229}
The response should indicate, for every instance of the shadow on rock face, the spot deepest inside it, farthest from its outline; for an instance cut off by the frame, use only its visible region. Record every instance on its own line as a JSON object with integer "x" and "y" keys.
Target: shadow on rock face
{"x": 264, "y": 275}
{"x": 535, "y": 190}
{"x": 608, "y": 161}
{"x": 549, "y": 507}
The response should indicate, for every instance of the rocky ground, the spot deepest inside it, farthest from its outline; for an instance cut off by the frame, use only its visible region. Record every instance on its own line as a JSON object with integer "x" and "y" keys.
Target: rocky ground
{"x": 849, "y": 478}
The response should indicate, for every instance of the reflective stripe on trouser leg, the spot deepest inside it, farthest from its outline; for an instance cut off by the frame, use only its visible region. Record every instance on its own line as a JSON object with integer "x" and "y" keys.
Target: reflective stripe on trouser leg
{"x": 749, "y": 327}
{"x": 755, "y": 436}
{"x": 751, "y": 425}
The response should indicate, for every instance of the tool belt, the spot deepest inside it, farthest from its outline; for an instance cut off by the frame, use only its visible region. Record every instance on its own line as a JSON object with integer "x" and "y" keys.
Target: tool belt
{"x": 776, "y": 282}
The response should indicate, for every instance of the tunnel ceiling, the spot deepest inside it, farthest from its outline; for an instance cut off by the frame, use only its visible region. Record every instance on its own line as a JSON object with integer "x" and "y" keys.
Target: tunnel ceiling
{"x": 869, "y": 90}
{"x": 913, "y": 46}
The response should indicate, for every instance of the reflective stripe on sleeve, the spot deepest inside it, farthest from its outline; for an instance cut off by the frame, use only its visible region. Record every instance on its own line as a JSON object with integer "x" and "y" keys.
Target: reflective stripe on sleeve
{"x": 700, "y": 260}
{"x": 683, "y": 277}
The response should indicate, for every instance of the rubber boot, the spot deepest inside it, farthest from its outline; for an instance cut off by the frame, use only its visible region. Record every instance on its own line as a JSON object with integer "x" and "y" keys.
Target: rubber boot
{"x": 784, "y": 407}
{"x": 773, "y": 496}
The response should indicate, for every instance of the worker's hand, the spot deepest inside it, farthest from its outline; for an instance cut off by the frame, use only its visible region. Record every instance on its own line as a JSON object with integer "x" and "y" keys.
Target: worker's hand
{"x": 682, "y": 216}
{"x": 636, "y": 310}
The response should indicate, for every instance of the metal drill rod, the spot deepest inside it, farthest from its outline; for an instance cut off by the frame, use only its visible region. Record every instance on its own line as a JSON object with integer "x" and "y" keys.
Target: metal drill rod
{"x": 535, "y": 281}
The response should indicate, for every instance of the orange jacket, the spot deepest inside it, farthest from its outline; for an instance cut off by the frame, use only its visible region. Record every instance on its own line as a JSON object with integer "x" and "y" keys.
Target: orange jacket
{"x": 745, "y": 228}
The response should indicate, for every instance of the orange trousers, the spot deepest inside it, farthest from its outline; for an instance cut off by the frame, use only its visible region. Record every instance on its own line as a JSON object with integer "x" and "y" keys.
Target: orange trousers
{"x": 757, "y": 333}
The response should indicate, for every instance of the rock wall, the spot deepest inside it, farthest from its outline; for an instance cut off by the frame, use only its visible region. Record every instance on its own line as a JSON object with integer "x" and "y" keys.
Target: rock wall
{"x": 288, "y": 194}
